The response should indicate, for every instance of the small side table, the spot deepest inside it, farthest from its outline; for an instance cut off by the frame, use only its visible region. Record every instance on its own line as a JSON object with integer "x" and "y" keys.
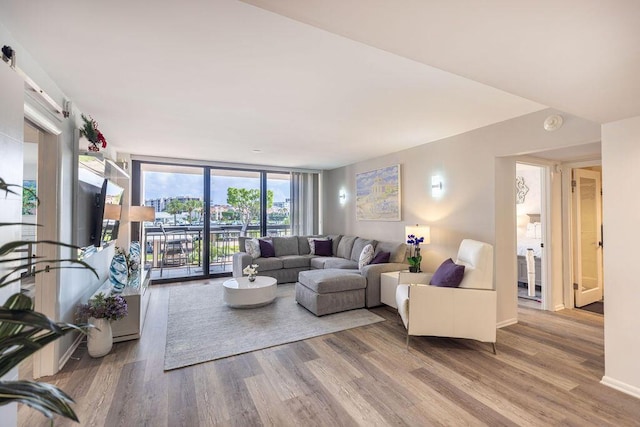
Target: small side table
{"x": 388, "y": 285}
{"x": 390, "y": 281}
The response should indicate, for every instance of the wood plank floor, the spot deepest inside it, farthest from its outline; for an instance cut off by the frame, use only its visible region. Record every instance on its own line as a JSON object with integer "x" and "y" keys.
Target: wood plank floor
{"x": 546, "y": 372}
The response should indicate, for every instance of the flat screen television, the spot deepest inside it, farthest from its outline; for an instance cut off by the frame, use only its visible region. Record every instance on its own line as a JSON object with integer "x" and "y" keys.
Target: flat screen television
{"x": 108, "y": 221}
{"x": 94, "y": 228}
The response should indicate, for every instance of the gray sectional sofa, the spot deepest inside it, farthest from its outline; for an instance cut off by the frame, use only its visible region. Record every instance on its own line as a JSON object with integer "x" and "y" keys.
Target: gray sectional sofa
{"x": 293, "y": 255}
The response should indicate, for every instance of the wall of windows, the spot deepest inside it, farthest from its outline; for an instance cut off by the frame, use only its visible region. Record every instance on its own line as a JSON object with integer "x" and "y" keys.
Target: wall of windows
{"x": 201, "y": 211}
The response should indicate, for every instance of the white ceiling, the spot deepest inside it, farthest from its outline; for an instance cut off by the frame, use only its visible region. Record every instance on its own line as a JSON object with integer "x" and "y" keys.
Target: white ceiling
{"x": 583, "y": 152}
{"x": 579, "y": 56}
{"x": 216, "y": 80}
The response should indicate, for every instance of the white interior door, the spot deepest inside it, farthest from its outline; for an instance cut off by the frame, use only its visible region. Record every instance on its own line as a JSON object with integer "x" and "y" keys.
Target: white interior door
{"x": 587, "y": 242}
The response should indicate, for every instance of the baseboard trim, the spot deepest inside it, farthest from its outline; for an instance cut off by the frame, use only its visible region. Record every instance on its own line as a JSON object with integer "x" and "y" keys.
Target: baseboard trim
{"x": 67, "y": 354}
{"x": 620, "y": 386}
{"x": 507, "y": 322}
{"x": 558, "y": 307}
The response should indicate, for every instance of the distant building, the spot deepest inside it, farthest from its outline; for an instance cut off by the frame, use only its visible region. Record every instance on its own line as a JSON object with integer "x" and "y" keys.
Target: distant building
{"x": 281, "y": 205}
{"x": 160, "y": 204}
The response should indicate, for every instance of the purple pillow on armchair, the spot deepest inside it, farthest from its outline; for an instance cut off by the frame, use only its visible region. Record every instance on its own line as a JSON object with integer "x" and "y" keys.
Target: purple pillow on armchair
{"x": 448, "y": 275}
{"x": 323, "y": 247}
{"x": 266, "y": 249}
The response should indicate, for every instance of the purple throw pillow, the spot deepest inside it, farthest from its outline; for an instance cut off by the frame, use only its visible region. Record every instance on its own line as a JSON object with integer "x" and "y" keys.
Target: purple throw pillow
{"x": 381, "y": 258}
{"x": 448, "y": 275}
{"x": 323, "y": 247}
{"x": 266, "y": 249}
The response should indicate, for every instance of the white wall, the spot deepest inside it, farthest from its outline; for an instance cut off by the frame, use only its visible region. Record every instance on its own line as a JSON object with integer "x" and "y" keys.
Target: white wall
{"x": 620, "y": 174}
{"x": 75, "y": 285}
{"x": 473, "y": 166}
{"x": 11, "y": 88}
{"x": 532, "y": 201}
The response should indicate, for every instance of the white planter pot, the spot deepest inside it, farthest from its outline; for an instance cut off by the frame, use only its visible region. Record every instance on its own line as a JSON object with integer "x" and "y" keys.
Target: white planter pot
{"x": 100, "y": 339}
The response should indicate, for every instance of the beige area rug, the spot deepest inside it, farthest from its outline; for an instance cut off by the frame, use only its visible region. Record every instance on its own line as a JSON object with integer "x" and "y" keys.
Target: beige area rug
{"x": 202, "y": 328}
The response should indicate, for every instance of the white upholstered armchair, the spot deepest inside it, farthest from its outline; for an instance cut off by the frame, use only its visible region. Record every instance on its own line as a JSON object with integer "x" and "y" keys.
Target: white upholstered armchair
{"x": 468, "y": 311}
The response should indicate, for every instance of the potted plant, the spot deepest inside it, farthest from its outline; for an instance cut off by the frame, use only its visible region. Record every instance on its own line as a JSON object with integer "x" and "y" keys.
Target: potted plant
{"x": 100, "y": 311}
{"x": 90, "y": 131}
{"x": 251, "y": 271}
{"x": 414, "y": 252}
{"x": 24, "y": 331}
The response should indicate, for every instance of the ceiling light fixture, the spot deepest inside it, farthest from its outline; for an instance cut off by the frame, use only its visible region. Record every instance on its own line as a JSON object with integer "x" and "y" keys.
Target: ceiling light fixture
{"x": 553, "y": 122}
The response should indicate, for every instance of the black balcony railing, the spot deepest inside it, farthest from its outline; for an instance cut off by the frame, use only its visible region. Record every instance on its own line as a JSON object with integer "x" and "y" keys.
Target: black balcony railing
{"x": 178, "y": 251}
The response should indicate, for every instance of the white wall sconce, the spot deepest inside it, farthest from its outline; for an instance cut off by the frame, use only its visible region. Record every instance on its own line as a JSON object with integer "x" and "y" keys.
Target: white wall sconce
{"x": 342, "y": 196}
{"x": 436, "y": 186}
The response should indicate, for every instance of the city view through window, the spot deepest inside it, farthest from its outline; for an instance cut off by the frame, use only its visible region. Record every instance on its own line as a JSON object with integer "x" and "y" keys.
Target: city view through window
{"x": 176, "y": 244}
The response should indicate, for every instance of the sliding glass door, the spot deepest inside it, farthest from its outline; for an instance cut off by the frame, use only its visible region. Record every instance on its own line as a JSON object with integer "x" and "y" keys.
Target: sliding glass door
{"x": 200, "y": 213}
{"x": 174, "y": 241}
{"x": 235, "y": 208}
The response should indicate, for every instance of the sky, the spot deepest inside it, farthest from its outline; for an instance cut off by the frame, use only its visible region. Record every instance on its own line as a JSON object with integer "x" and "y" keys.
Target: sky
{"x": 159, "y": 184}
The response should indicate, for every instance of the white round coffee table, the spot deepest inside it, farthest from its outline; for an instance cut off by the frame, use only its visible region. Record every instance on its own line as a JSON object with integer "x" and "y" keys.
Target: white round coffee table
{"x": 239, "y": 292}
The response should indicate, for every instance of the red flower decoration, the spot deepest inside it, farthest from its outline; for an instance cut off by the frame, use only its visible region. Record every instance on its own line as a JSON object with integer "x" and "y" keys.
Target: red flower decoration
{"x": 90, "y": 131}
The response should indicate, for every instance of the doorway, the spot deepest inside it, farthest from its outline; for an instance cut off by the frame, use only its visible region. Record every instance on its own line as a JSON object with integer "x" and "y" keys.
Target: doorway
{"x": 29, "y": 208}
{"x": 530, "y": 227}
{"x": 587, "y": 238}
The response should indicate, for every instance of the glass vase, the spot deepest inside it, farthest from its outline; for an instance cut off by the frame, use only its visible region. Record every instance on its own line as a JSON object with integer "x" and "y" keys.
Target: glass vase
{"x": 135, "y": 252}
{"x": 135, "y": 257}
{"x": 118, "y": 273}
{"x": 252, "y": 277}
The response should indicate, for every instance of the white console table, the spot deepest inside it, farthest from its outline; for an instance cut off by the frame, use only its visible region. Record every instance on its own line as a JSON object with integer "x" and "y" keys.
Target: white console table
{"x": 130, "y": 327}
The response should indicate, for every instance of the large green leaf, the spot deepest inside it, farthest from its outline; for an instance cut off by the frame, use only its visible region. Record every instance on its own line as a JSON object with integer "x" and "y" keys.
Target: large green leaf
{"x": 11, "y": 246}
{"x": 46, "y": 398}
{"x": 75, "y": 263}
{"x": 22, "y": 258}
{"x": 9, "y": 318}
{"x": 14, "y": 302}
{"x": 15, "y": 322}
{"x": 4, "y": 186}
{"x": 24, "y": 331}
{"x": 27, "y": 224}
{"x": 13, "y": 358}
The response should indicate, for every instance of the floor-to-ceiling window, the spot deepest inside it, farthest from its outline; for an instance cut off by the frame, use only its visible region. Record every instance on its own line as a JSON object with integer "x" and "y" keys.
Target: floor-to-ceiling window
{"x": 278, "y": 204}
{"x": 174, "y": 241}
{"x": 201, "y": 211}
{"x": 235, "y": 207}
